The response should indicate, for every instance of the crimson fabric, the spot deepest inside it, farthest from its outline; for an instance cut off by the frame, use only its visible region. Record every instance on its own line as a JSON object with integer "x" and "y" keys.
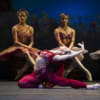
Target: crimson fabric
{"x": 33, "y": 80}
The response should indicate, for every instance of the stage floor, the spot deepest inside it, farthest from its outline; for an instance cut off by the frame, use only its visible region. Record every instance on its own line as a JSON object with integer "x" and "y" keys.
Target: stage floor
{"x": 10, "y": 91}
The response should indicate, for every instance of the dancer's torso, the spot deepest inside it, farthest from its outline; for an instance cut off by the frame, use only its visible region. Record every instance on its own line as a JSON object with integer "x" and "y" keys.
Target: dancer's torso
{"x": 24, "y": 34}
{"x": 44, "y": 59}
{"x": 65, "y": 37}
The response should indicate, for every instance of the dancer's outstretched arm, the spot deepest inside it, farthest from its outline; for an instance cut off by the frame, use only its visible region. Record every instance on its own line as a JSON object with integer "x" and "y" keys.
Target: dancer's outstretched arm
{"x": 68, "y": 56}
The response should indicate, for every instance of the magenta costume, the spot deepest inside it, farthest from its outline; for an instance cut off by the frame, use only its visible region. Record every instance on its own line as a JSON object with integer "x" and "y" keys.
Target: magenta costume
{"x": 46, "y": 75}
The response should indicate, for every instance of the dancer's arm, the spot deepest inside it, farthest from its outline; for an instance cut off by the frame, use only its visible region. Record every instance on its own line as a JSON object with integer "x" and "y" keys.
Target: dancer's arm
{"x": 57, "y": 36}
{"x": 68, "y": 56}
{"x": 31, "y": 37}
{"x": 73, "y": 40}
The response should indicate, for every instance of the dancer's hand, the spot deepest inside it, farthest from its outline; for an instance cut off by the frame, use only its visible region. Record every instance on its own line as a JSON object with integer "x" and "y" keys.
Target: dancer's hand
{"x": 65, "y": 49}
{"x": 82, "y": 45}
{"x": 26, "y": 51}
{"x": 68, "y": 49}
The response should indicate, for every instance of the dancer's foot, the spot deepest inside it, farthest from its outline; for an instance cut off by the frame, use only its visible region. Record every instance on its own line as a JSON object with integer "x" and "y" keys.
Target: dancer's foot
{"x": 93, "y": 86}
{"x": 40, "y": 86}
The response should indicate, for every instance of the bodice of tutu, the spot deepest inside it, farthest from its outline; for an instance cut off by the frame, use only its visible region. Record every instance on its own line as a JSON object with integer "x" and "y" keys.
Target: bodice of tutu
{"x": 24, "y": 37}
{"x": 67, "y": 37}
{"x": 63, "y": 36}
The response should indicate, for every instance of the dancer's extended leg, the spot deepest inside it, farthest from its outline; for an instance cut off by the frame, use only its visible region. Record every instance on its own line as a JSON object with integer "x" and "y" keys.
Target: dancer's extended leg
{"x": 28, "y": 81}
{"x": 57, "y": 80}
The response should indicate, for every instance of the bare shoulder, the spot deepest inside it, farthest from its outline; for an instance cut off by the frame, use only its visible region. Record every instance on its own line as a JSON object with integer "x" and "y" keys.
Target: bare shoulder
{"x": 14, "y": 28}
{"x": 72, "y": 29}
{"x": 57, "y": 29}
{"x": 31, "y": 29}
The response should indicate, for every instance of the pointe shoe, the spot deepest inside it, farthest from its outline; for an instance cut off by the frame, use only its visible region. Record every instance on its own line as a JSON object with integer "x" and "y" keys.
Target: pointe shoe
{"x": 93, "y": 86}
{"x": 40, "y": 86}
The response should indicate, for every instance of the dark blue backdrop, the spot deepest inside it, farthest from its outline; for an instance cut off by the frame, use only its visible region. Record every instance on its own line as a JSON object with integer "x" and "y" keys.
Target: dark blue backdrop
{"x": 55, "y": 7}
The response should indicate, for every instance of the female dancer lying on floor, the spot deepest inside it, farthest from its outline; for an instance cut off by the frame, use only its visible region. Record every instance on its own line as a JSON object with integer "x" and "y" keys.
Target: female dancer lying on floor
{"x": 42, "y": 73}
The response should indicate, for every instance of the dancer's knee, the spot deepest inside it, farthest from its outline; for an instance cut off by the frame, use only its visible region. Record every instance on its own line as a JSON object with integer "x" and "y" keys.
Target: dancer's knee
{"x": 22, "y": 84}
